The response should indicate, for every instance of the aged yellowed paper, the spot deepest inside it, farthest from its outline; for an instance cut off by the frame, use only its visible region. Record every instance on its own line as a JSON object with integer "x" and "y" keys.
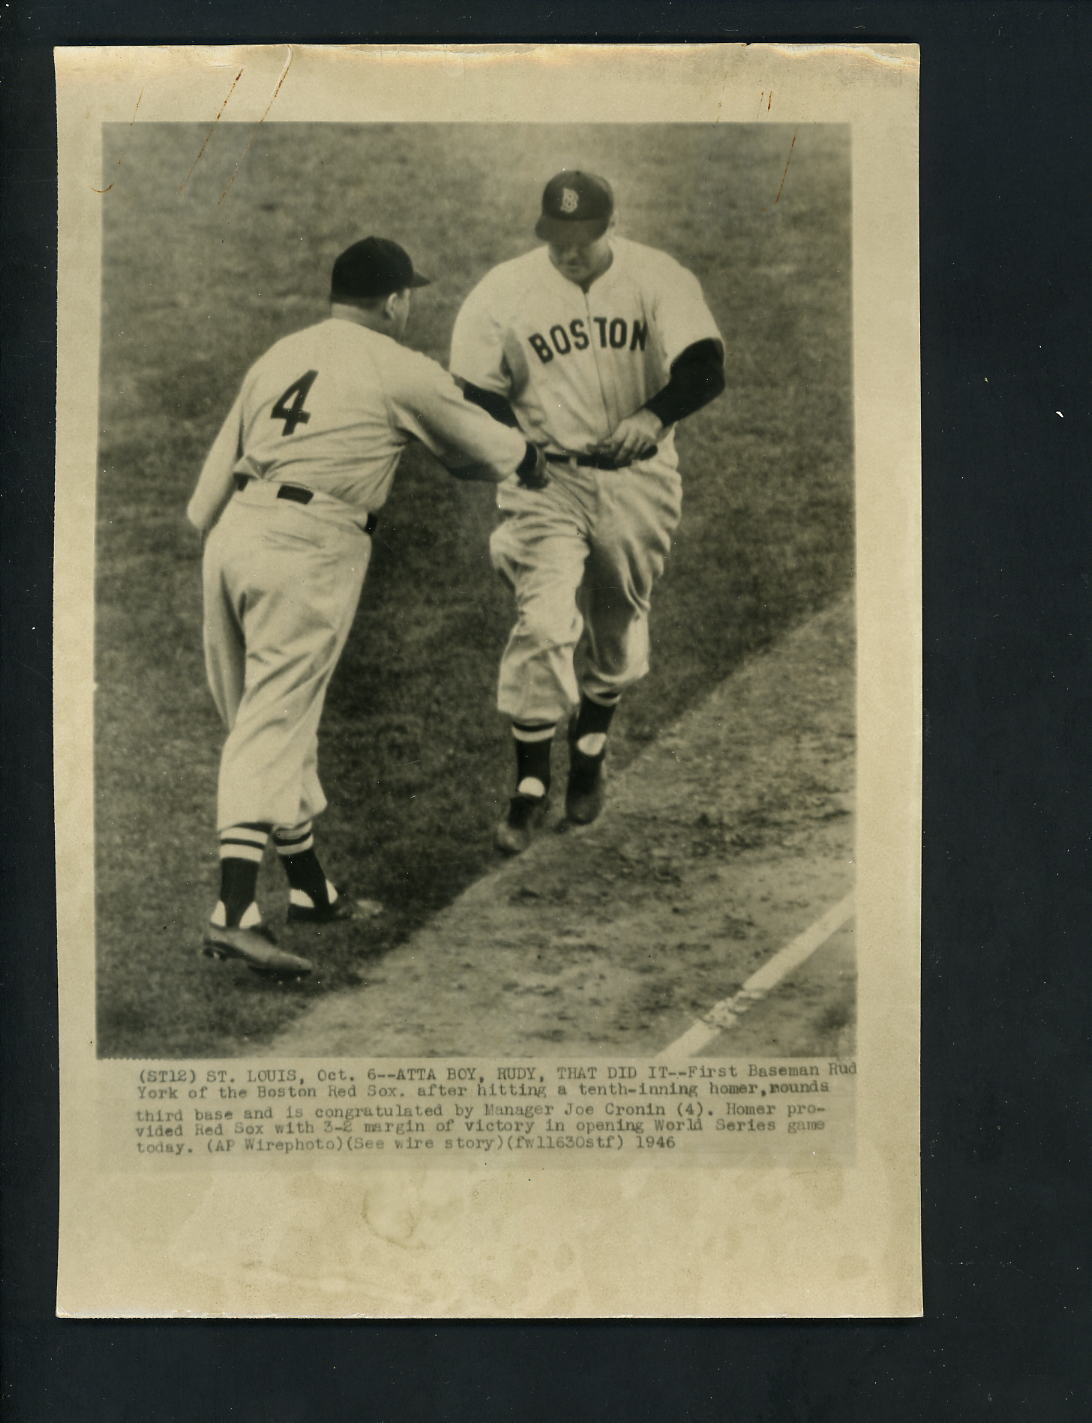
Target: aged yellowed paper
{"x": 662, "y": 1064}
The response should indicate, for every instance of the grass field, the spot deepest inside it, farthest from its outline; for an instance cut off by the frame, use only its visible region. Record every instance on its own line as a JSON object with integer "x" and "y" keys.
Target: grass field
{"x": 206, "y": 261}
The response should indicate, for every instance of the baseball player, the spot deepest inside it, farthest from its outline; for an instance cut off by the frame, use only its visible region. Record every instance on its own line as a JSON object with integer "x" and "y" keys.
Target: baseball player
{"x": 288, "y": 498}
{"x": 595, "y": 347}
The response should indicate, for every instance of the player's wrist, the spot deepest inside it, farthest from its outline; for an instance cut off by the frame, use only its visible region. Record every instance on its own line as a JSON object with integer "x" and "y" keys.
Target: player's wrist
{"x": 653, "y": 422}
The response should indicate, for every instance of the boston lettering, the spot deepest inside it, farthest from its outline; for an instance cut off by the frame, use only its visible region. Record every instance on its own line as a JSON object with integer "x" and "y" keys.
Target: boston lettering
{"x": 608, "y": 332}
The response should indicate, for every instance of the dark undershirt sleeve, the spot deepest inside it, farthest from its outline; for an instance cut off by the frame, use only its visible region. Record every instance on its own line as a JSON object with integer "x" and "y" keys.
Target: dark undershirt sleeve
{"x": 491, "y": 403}
{"x": 498, "y": 407}
{"x": 697, "y": 377}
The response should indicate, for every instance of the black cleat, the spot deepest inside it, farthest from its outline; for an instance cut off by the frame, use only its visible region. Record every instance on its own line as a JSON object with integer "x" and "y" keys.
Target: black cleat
{"x": 256, "y": 947}
{"x": 525, "y": 814}
{"x": 586, "y": 788}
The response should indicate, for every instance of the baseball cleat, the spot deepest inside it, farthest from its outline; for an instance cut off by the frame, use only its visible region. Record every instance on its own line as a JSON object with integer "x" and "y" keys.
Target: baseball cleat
{"x": 586, "y": 788}
{"x": 255, "y": 947}
{"x": 525, "y": 814}
{"x": 343, "y": 910}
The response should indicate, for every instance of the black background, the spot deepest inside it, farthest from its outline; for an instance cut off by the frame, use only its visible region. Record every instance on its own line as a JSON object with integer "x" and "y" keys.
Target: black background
{"x": 1004, "y": 216}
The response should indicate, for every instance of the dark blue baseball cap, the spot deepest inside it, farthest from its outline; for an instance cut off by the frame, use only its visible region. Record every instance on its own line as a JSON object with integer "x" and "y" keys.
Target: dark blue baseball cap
{"x": 373, "y": 267}
{"x": 576, "y": 207}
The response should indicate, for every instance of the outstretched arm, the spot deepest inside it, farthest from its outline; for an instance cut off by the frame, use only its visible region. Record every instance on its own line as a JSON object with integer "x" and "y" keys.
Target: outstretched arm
{"x": 470, "y": 443}
{"x": 532, "y": 470}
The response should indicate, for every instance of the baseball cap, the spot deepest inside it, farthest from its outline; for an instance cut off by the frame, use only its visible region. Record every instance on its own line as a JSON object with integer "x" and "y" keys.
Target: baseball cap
{"x": 576, "y": 207}
{"x": 373, "y": 267}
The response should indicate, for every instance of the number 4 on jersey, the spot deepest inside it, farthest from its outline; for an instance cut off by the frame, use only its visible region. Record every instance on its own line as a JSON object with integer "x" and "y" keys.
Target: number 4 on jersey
{"x": 294, "y": 414}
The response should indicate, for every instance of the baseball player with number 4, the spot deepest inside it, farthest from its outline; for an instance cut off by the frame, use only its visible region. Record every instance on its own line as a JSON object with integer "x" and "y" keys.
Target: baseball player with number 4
{"x": 288, "y": 498}
{"x": 595, "y": 347}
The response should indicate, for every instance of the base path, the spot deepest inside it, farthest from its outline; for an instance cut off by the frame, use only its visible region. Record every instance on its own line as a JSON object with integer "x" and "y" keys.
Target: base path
{"x": 721, "y": 844}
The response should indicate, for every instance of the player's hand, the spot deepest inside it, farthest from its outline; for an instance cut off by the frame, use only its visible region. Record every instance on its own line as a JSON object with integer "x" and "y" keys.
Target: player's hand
{"x": 632, "y": 438}
{"x": 539, "y": 476}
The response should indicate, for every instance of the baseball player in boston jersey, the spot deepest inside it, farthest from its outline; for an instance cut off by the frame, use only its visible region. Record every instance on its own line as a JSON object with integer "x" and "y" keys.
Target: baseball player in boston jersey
{"x": 288, "y": 498}
{"x": 595, "y": 347}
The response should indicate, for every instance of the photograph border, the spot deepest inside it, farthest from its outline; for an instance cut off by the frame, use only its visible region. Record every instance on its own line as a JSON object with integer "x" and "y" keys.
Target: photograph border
{"x": 878, "y": 1193}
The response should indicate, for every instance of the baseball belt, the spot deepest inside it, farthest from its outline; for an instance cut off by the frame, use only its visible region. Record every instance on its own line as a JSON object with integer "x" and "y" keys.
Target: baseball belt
{"x": 592, "y": 461}
{"x": 299, "y": 495}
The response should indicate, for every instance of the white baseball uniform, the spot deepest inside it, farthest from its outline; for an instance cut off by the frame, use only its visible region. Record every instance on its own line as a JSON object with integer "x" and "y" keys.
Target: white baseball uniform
{"x": 322, "y": 417}
{"x": 583, "y": 554}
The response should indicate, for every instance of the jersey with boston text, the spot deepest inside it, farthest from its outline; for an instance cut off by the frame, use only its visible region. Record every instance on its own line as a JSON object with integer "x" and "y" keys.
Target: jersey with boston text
{"x": 573, "y": 363}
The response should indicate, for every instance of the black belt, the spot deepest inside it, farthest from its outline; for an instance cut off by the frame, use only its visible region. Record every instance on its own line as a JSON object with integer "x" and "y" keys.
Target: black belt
{"x": 593, "y": 461}
{"x": 299, "y": 495}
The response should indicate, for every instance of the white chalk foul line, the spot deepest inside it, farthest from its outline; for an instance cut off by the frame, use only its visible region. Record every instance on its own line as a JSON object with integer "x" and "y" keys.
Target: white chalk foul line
{"x": 728, "y": 1011}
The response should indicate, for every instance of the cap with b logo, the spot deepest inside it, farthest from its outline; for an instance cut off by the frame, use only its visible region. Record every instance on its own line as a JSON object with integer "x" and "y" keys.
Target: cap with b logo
{"x": 373, "y": 267}
{"x": 576, "y": 207}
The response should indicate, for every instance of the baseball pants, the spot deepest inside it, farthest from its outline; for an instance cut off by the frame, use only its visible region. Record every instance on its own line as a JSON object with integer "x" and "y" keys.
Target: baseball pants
{"x": 281, "y": 586}
{"x": 581, "y": 557}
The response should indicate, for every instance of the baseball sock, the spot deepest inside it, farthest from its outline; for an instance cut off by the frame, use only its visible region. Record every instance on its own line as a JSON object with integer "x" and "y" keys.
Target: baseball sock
{"x": 533, "y": 741}
{"x": 307, "y": 882}
{"x": 241, "y": 848}
{"x": 593, "y": 722}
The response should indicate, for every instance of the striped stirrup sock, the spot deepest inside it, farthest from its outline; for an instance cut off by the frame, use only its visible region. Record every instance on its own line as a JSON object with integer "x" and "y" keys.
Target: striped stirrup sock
{"x": 533, "y": 742}
{"x": 593, "y": 722}
{"x": 295, "y": 845}
{"x": 241, "y": 850}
